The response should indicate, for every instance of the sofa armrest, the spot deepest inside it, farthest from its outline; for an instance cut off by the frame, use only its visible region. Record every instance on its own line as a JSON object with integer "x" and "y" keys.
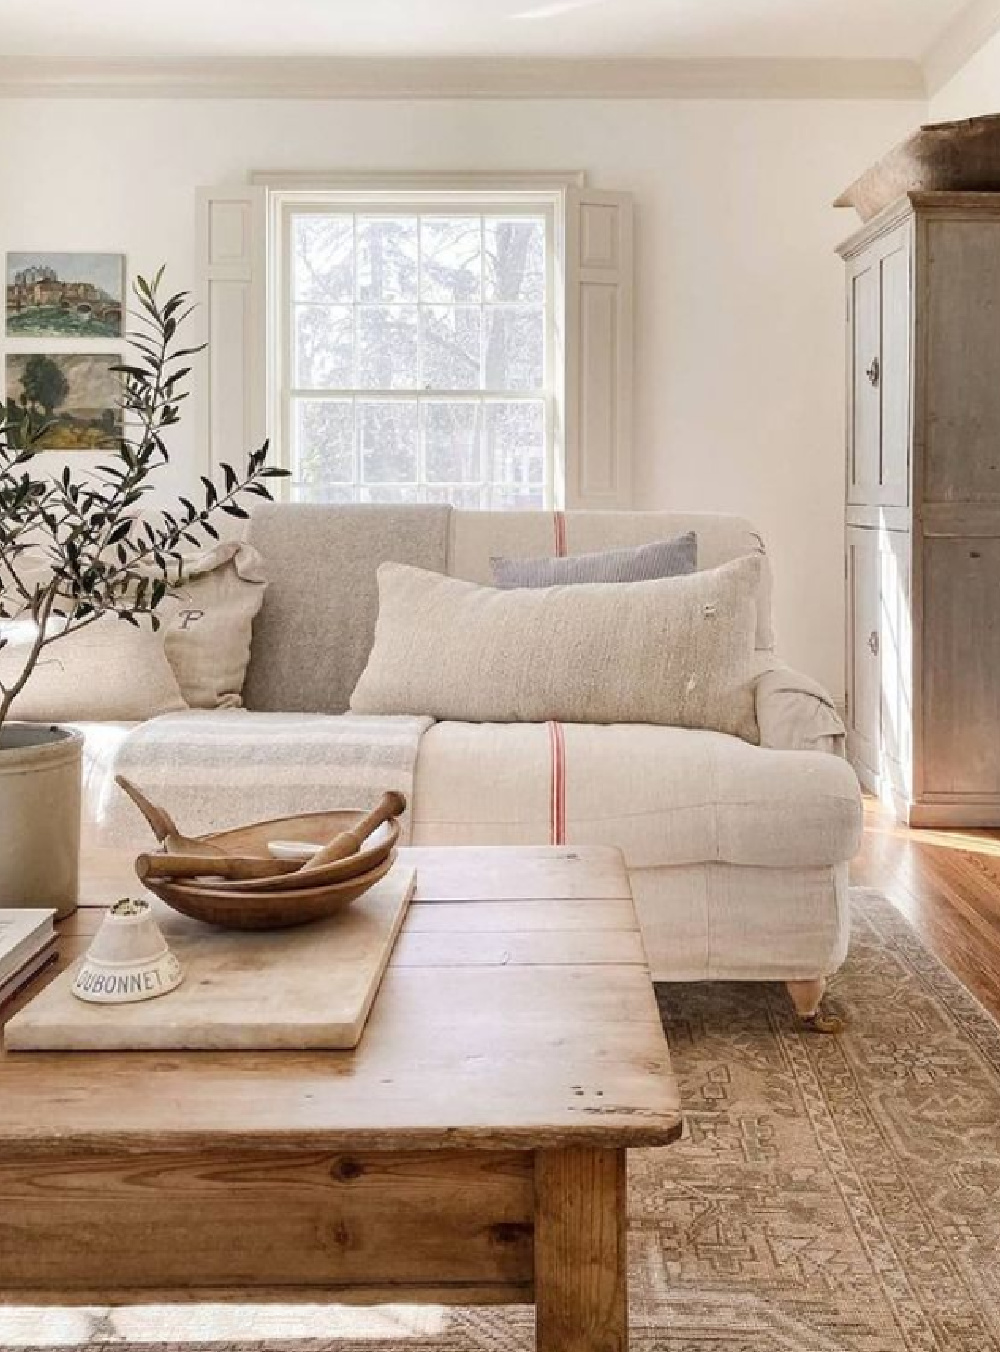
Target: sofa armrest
{"x": 795, "y": 713}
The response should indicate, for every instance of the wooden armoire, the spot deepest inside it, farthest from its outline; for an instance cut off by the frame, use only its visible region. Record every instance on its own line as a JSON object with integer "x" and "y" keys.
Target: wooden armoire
{"x": 923, "y": 507}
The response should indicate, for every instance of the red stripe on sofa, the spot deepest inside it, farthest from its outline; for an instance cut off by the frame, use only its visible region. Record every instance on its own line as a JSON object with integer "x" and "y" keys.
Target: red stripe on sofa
{"x": 557, "y": 797}
{"x": 559, "y": 521}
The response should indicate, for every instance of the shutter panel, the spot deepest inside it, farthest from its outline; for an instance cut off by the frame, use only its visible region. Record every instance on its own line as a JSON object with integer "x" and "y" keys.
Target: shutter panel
{"x": 232, "y": 261}
{"x": 598, "y": 349}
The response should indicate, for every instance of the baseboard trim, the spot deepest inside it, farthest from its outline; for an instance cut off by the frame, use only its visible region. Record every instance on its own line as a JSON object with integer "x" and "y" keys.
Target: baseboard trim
{"x": 973, "y": 813}
{"x": 945, "y": 811}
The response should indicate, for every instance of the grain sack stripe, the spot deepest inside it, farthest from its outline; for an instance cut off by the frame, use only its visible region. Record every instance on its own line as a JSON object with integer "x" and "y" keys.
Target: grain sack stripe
{"x": 559, "y": 521}
{"x": 557, "y": 805}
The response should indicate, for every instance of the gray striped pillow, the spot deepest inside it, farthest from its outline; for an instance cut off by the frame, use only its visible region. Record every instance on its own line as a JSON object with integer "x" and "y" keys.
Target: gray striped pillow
{"x": 638, "y": 564}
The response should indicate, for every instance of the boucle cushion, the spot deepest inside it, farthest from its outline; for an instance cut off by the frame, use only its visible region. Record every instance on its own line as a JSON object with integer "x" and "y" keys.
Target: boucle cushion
{"x": 660, "y": 559}
{"x": 208, "y": 623}
{"x": 671, "y": 651}
{"x": 109, "y": 669}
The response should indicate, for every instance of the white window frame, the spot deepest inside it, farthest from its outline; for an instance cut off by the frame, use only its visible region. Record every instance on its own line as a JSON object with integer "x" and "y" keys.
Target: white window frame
{"x": 528, "y": 194}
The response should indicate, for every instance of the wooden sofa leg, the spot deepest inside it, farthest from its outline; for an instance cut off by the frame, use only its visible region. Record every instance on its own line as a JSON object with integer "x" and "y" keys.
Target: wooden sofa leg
{"x": 807, "y": 997}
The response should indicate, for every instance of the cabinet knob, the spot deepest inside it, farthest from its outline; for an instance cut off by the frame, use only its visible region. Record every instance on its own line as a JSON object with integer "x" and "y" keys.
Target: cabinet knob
{"x": 873, "y": 643}
{"x": 874, "y": 372}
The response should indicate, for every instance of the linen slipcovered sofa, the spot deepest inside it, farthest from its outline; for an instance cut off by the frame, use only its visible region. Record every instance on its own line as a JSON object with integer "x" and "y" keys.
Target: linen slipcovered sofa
{"x": 737, "y": 853}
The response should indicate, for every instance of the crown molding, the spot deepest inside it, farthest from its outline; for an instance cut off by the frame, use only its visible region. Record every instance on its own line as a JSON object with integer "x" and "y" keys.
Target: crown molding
{"x": 970, "y": 30}
{"x": 454, "y": 78}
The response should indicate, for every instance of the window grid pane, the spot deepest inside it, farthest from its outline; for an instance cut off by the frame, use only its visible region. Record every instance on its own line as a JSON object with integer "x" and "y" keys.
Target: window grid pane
{"x": 418, "y": 358}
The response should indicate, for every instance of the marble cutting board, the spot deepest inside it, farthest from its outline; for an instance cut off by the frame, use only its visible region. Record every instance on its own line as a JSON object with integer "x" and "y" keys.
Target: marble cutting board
{"x": 307, "y": 987}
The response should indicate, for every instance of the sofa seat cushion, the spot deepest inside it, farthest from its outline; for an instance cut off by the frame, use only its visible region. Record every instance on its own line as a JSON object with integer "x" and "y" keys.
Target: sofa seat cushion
{"x": 666, "y": 796}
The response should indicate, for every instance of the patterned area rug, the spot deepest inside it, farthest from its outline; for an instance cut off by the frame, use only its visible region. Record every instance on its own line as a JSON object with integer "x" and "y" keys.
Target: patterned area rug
{"x": 829, "y": 1193}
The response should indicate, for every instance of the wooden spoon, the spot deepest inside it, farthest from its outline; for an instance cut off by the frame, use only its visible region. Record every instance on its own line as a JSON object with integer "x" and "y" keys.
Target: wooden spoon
{"x": 165, "y": 828}
{"x": 390, "y": 805}
{"x": 352, "y": 866}
{"x": 173, "y": 866}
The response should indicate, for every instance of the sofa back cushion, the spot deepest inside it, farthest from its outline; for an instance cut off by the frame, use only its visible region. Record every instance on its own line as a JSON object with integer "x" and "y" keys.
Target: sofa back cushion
{"x": 314, "y": 631}
{"x": 676, "y": 651}
{"x": 476, "y": 537}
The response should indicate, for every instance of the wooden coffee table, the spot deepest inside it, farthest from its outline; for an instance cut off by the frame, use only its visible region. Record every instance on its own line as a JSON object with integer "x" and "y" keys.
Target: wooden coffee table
{"x": 471, "y": 1149}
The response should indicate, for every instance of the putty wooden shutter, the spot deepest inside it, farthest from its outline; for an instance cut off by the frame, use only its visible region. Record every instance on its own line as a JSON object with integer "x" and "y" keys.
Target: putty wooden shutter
{"x": 232, "y": 256}
{"x": 598, "y": 349}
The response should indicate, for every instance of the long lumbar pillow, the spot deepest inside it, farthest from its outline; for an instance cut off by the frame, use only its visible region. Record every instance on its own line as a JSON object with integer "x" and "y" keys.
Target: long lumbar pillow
{"x": 659, "y": 559}
{"x": 672, "y": 651}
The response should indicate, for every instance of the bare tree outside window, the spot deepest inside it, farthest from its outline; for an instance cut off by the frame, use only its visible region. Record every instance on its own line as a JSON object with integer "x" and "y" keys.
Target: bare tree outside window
{"x": 418, "y": 358}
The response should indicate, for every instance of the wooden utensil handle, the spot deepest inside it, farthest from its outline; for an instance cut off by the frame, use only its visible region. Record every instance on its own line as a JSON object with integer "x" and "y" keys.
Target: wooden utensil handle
{"x": 211, "y": 866}
{"x": 390, "y": 805}
{"x": 158, "y": 818}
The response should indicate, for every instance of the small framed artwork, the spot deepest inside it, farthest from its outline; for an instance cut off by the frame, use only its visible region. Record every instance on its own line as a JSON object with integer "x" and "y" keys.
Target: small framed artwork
{"x": 65, "y": 295}
{"x": 78, "y": 396}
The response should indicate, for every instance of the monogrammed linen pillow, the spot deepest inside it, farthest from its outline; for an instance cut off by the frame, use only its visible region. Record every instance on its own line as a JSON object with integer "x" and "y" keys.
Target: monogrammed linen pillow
{"x": 208, "y": 627}
{"x": 675, "y": 651}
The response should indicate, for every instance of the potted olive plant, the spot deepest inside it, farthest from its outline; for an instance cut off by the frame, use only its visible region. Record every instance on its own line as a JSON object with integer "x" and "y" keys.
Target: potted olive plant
{"x": 74, "y": 548}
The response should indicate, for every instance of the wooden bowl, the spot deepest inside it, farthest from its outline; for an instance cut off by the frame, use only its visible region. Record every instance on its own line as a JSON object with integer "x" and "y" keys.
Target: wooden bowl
{"x": 272, "y": 910}
{"x": 253, "y": 839}
{"x": 337, "y": 872}
{"x": 939, "y": 157}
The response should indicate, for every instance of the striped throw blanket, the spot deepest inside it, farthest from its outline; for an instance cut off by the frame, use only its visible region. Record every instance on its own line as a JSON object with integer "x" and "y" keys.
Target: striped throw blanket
{"x": 215, "y": 769}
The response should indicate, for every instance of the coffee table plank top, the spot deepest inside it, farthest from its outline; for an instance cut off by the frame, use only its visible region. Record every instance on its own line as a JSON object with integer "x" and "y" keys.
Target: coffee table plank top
{"x": 517, "y": 1012}
{"x": 508, "y": 874}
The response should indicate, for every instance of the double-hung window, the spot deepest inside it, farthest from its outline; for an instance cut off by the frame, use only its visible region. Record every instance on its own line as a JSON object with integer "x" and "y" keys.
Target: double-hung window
{"x": 399, "y": 338}
{"x": 418, "y": 356}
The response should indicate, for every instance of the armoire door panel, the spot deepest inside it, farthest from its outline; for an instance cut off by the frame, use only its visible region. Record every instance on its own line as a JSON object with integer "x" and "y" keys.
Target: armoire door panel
{"x": 863, "y": 642}
{"x": 865, "y": 412}
{"x": 961, "y": 401}
{"x": 894, "y": 373}
{"x": 961, "y": 661}
{"x": 895, "y": 661}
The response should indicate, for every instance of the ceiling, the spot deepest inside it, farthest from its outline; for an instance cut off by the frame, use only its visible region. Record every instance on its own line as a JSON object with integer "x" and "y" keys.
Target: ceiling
{"x": 129, "y": 30}
{"x": 489, "y": 48}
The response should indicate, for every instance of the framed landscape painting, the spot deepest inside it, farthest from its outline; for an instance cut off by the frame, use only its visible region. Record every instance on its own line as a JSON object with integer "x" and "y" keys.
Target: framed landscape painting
{"x": 65, "y": 295}
{"x": 77, "y": 396}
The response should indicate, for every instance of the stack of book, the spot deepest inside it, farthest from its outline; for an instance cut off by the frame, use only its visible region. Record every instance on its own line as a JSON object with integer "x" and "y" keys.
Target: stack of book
{"x": 27, "y": 945}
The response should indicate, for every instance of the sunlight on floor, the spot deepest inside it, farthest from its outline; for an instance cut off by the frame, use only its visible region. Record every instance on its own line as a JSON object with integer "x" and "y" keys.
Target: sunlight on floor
{"x": 879, "y": 822}
{"x": 44, "y": 1328}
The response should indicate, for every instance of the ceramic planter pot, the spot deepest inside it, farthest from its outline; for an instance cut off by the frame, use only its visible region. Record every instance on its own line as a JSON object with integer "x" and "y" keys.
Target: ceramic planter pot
{"x": 39, "y": 816}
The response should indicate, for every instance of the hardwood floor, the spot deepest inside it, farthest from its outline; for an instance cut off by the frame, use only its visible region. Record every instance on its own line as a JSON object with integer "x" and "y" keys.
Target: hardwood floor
{"x": 947, "y": 883}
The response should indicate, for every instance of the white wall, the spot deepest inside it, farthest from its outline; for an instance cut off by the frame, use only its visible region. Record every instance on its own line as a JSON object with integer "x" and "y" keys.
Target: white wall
{"x": 739, "y": 400}
{"x": 974, "y": 89}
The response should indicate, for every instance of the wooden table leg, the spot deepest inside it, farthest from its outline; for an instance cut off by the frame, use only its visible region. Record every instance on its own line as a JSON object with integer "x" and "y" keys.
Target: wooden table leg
{"x": 581, "y": 1286}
